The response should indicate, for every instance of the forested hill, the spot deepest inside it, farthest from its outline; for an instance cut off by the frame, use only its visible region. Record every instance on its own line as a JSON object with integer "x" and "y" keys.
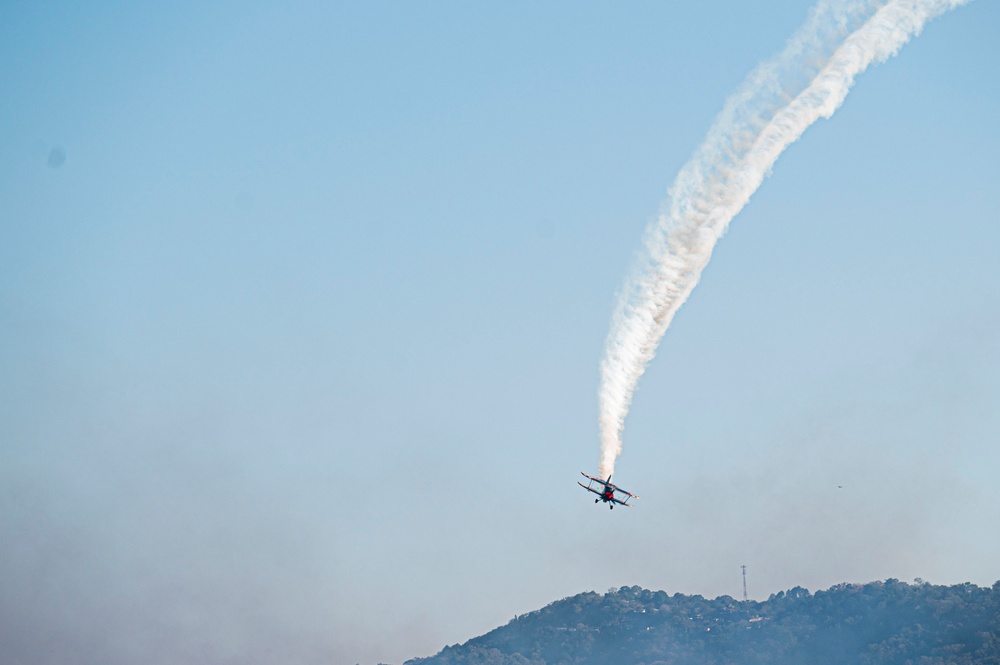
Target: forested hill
{"x": 886, "y": 623}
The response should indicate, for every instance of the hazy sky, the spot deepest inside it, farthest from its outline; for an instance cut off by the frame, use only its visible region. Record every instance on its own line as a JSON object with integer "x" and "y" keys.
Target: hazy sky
{"x": 301, "y": 309}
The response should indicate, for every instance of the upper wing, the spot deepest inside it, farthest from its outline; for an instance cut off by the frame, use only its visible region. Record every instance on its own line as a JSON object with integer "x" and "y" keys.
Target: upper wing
{"x": 596, "y": 480}
{"x": 628, "y": 494}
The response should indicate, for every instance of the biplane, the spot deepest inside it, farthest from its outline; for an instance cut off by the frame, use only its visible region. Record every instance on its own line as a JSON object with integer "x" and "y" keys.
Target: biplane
{"x": 607, "y": 491}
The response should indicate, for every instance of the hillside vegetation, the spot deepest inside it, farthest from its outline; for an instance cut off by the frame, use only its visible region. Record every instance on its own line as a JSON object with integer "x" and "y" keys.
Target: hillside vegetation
{"x": 884, "y": 623}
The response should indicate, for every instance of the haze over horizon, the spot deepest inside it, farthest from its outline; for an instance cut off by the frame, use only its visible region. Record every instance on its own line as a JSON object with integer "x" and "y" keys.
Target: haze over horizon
{"x": 302, "y": 308}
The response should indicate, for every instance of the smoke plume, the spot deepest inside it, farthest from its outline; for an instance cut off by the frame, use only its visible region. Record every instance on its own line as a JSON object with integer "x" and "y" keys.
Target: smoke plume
{"x": 772, "y": 108}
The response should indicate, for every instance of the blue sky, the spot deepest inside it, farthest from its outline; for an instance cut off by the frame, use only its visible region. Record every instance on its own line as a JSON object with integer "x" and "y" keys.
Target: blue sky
{"x": 300, "y": 341}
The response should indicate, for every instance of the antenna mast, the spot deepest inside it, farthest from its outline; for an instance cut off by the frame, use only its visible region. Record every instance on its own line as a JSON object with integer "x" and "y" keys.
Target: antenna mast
{"x": 744, "y": 582}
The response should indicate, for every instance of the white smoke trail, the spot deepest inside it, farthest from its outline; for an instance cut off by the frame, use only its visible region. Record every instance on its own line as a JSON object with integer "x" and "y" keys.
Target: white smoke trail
{"x": 773, "y": 107}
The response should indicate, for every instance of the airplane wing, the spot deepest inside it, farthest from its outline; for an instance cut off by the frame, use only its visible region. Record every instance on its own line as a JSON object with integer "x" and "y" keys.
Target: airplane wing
{"x": 589, "y": 489}
{"x": 596, "y": 480}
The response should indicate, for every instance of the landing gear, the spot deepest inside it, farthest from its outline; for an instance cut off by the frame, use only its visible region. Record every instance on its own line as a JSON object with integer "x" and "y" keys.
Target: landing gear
{"x": 612, "y": 506}
{"x": 596, "y": 500}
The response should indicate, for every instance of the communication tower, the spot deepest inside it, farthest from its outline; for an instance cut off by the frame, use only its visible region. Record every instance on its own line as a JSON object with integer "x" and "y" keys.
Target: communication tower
{"x": 744, "y": 581}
